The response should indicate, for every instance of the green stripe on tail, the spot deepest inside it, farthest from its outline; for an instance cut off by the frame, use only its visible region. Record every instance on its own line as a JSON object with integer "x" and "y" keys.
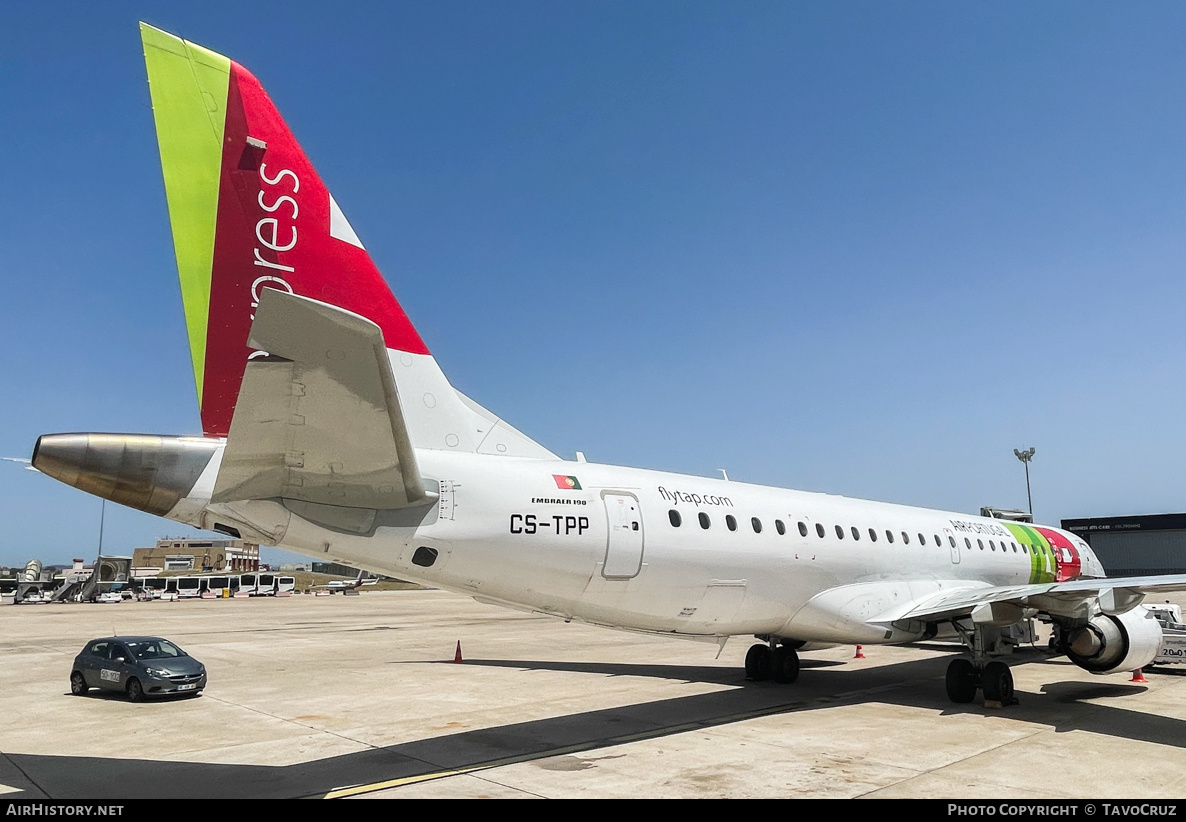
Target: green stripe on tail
{"x": 189, "y": 92}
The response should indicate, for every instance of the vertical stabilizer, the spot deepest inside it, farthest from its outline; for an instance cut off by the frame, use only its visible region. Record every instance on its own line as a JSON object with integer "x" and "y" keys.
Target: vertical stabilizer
{"x": 249, "y": 212}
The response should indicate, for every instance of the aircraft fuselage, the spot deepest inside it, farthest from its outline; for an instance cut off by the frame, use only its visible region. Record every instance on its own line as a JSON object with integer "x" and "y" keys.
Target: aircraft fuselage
{"x": 672, "y": 553}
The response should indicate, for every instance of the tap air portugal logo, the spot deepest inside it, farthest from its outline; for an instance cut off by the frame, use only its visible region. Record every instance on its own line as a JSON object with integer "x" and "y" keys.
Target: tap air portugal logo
{"x": 567, "y": 483}
{"x": 248, "y": 212}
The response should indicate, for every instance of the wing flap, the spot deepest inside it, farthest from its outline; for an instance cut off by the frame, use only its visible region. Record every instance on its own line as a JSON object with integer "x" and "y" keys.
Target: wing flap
{"x": 318, "y": 418}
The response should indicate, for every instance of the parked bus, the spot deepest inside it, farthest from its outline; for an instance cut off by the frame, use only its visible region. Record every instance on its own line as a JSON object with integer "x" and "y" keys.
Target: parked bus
{"x": 214, "y": 587}
{"x": 189, "y": 587}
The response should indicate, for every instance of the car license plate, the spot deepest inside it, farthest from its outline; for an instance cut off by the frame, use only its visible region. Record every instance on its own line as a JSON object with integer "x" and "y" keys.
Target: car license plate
{"x": 189, "y": 687}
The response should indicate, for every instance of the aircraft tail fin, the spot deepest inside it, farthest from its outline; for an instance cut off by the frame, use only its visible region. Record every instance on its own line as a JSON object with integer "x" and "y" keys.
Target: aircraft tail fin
{"x": 248, "y": 212}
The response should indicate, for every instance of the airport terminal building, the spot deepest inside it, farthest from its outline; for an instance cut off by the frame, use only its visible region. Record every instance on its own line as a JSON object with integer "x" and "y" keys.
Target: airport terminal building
{"x": 198, "y": 555}
{"x": 1135, "y": 545}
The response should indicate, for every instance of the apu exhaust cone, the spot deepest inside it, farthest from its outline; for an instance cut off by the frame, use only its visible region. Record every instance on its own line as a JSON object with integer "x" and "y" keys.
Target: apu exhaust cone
{"x": 149, "y": 473}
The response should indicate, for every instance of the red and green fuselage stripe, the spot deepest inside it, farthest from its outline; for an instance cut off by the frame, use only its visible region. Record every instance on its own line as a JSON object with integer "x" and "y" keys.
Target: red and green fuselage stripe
{"x": 1042, "y": 560}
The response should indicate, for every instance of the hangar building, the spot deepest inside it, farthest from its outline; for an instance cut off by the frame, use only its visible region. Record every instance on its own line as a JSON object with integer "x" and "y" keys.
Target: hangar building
{"x": 1135, "y": 545}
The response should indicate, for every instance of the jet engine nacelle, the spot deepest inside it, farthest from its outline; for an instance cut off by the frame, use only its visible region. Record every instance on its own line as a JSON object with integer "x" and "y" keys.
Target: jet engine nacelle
{"x": 1107, "y": 643}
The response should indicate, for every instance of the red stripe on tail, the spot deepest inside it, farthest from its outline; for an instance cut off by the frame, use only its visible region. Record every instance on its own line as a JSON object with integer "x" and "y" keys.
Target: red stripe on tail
{"x": 273, "y": 231}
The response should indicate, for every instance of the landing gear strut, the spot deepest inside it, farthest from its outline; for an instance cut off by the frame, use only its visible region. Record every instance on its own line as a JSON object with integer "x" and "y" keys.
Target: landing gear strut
{"x": 772, "y": 661}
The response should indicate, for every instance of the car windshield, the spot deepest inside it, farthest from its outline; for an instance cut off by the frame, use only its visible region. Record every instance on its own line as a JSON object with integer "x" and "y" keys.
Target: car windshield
{"x": 155, "y": 649}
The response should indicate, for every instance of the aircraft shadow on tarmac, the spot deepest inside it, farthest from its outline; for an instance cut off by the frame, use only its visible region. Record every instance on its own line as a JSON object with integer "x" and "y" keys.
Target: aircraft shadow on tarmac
{"x": 686, "y": 673}
{"x": 916, "y": 683}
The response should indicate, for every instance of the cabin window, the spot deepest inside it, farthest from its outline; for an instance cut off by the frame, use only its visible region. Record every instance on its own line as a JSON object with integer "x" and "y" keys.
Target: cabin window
{"x": 704, "y": 521}
{"x": 922, "y": 540}
{"x": 855, "y": 533}
{"x": 872, "y": 535}
{"x": 731, "y": 522}
{"x": 802, "y": 529}
{"x": 781, "y": 527}
{"x": 938, "y": 542}
{"x": 819, "y": 529}
{"x": 980, "y": 542}
{"x": 674, "y": 516}
{"x": 992, "y": 545}
{"x": 968, "y": 542}
{"x": 1023, "y": 549}
{"x": 905, "y": 538}
{"x": 757, "y": 524}
{"x": 839, "y": 532}
{"x": 1014, "y": 544}
{"x": 889, "y": 535}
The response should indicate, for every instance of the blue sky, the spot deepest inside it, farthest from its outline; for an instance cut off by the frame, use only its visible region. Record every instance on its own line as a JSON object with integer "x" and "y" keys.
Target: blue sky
{"x": 861, "y": 248}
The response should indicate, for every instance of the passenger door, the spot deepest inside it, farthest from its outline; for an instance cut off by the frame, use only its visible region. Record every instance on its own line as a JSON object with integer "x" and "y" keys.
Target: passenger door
{"x": 623, "y": 551}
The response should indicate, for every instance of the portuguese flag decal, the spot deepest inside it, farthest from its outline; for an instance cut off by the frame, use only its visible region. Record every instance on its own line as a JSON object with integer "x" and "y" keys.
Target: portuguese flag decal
{"x": 567, "y": 483}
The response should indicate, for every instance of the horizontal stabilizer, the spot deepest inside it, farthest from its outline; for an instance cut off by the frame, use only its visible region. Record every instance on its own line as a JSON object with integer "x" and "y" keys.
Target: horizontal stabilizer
{"x": 318, "y": 418}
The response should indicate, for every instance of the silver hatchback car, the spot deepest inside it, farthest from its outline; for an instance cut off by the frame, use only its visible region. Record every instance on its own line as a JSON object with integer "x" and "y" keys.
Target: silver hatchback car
{"x": 138, "y": 666}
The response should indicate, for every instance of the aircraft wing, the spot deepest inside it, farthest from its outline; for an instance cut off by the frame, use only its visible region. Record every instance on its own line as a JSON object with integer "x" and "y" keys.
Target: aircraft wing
{"x": 318, "y": 419}
{"x": 1115, "y": 595}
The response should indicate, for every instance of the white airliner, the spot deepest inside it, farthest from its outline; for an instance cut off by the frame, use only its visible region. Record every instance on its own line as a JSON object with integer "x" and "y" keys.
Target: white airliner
{"x": 330, "y": 430}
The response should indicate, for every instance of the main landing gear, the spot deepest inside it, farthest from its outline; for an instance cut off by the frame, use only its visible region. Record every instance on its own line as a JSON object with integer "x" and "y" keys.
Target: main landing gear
{"x": 772, "y": 661}
{"x": 995, "y": 679}
{"x": 992, "y": 677}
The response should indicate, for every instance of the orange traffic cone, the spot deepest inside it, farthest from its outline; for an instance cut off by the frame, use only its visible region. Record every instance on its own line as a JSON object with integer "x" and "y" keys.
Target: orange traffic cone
{"x": 860, "y": 653}
{"x": 1137, "y": 676}
{"x": 457, "y": 655}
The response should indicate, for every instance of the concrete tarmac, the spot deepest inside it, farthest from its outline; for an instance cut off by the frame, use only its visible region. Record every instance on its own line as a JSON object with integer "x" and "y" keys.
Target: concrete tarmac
{"x": 359, "y": 696}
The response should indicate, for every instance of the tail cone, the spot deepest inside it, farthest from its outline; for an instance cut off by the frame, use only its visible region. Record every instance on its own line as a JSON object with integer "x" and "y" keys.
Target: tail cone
{"x": 148, "y": 473}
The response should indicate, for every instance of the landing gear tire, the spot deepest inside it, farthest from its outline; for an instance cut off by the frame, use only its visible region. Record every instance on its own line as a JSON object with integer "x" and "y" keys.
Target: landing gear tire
{"x": 961, "y": 681}
{"x": 998, "y": 683}
{"x": 757, "y": 663}
{"x": 784, "y": 664}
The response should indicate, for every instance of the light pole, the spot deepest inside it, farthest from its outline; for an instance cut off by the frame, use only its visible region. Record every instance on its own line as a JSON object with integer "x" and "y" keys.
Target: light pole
{"x": 1026, "y": 456}
{"x": 102, "y": 516}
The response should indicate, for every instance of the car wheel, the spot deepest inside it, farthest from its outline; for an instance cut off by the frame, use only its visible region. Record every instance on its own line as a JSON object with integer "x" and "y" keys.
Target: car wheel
{"x": 78, "y": 685}
{"x": 135, "y": 690}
